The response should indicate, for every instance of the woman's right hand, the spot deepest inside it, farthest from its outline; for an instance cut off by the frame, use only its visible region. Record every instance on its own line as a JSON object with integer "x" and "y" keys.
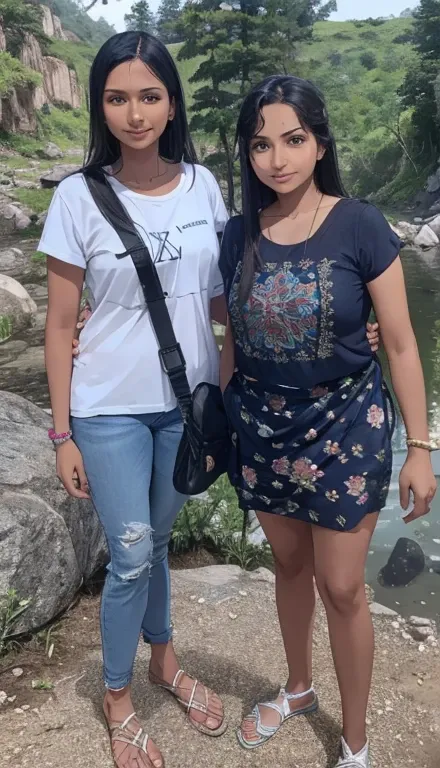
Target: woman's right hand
{"x": 84, "y": 315}
{"x": 70, "y": 470}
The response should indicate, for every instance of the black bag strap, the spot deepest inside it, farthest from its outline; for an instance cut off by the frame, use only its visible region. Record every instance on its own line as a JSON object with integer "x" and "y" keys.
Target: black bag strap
{"x": 170, "y": 352}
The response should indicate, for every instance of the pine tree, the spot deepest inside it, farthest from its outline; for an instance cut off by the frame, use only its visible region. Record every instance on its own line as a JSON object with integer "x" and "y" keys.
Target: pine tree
{"x": 141, "y": 18}
{"x": 167, "y": 20}
{"x": 240, "y": 44}
{"x": 421, "y": 82}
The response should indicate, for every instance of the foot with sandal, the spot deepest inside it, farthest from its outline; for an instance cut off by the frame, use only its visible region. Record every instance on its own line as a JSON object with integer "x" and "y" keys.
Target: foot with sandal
{"x": 131, "y": 744}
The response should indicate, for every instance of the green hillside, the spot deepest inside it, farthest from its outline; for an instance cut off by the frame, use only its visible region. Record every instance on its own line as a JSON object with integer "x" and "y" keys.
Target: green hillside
{"x": 360, "y": 67}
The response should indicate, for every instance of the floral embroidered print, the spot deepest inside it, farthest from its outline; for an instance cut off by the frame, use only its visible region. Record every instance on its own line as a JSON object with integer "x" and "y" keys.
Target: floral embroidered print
{"x": 329, "y": 465}
{"x": 289, "y": 314}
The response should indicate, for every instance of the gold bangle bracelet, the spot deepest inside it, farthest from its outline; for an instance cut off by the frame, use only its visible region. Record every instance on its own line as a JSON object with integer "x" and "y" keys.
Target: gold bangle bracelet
{"x": 432, "y": 445}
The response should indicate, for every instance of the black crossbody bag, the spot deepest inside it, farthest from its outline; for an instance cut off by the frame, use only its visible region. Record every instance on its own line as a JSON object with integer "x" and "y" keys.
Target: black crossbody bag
{"x": 203, "y": 453}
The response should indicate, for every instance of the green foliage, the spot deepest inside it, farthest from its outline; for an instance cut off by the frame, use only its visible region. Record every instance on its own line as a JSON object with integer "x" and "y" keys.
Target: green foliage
{"x": 13, "y": 74}
{"x": 5, "y": 327}
{"x": 75, "y": 19}
{"x": 19, "y": 19}
{"x": 168, "y": 16}
{"x": 368, "y": 60}
{"x": 11, "y": 608}
{"x": 141, "y": 18}
{"x": 239, "y": 551}
{"x": 418, "y": 90}
{"x": 36, "y": 199}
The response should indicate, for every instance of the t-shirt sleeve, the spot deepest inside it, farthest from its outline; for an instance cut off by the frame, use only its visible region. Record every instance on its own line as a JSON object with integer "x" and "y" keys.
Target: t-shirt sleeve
{"x": 216, "y": 200}
{"x": 60, "y": 237}
{"x": 378, "y": 245}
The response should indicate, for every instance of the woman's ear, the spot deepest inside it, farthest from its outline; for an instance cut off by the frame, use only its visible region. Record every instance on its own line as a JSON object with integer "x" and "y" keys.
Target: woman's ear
{"x": 172, "y": 111}
{"x": 321, "y": 152}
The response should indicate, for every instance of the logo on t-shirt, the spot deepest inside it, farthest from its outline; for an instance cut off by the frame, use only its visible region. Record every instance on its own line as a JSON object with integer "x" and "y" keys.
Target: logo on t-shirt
{"x": 163, "y": 249}
{"x": 193, "y": 224}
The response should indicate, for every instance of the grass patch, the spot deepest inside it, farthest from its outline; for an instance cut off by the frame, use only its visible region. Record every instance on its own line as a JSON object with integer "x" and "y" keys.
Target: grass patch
{"x": 36, "y": 199}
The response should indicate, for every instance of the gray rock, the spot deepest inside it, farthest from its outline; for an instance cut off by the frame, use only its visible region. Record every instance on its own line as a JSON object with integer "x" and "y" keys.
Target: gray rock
{"x": 262, "y": 574}
{"x": 435, "y": 225}
{"x": 376, "y": 609}
{"x": 433, "y": 184}
{"x": 13, "y": 262}
{"x": 51, "y": 151}
{"x": 12, "y": 217}
{"x": 212, "y": 575}
{"x": 426, "y": 238}
{"x": 435, "y": 207}
{"x": 407, "y": 232}
{"x": 16, "y": 304}
{"x": 418, "y": 220}
{"x": 419, "y": 621}
{"x": 49, "y": 542}
{"x": 42, "y": 219}
{"x": 58, "y": 173}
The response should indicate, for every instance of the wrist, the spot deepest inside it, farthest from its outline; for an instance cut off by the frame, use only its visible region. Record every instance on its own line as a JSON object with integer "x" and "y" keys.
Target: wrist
{"x": 419, "y": 453}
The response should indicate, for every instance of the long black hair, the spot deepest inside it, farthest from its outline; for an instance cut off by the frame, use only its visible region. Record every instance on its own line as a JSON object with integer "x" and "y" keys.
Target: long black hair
{"x": 175, "y": 144}
{"x": 308, "y": 102}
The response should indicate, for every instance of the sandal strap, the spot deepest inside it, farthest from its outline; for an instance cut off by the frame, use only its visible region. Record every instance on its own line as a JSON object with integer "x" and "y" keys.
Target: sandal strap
{"x": 177, "y": 677}
{"x": 119, "y": 732}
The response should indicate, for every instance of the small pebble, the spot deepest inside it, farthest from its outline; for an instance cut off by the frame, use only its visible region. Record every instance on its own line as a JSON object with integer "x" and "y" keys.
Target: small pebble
{"x": 406, "y": 636}
{"x": 243, "y": 593}
{"x": 398, "y": 737}
{"x": 18, "y": 711}
{"x": 25, "y": 707}
{"x": 17, "y": 672}
{"x": 3, "y": 697}
{"x": 380, "y": 711}
{"x": 193, "y": 597}
{"x": 395, "y": 625}
{"x": 201, "y": 600}
{"x": 232, "y": 615}
{"x": 421, "y": 648}
{"x": 419, "y": 681}
{"x": 11, "y": 699}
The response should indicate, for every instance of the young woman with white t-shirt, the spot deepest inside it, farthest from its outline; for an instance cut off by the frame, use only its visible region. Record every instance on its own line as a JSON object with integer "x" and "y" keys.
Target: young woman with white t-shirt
{"x": 116, "y": 425}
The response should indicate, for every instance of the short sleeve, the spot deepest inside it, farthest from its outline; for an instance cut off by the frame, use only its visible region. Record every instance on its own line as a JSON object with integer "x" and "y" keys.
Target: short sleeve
{"x": 60, "y": 237}
{"x": 231, "y": 246}
{"x": 217, "y": 203}
{"x": 378, "y": 244}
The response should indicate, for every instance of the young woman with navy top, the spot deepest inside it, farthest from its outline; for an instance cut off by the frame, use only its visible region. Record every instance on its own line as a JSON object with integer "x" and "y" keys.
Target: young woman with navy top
{"x": 310, "y": 414}
{"x": 117, "y": 402}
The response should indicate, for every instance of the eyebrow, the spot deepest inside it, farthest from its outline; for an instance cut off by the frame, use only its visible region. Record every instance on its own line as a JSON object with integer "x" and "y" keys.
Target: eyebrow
{"x": 143, "y": 90}
{"x": 283, "y": 135}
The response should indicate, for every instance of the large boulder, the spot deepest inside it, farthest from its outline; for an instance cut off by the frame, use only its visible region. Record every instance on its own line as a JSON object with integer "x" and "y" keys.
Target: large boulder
{"x": 56, "y": 175}
{"x": 406, "y": 562}
{"x": 426, "y": 238}
{"x": 49, "y": 542}
{"x": 16, "y": 304}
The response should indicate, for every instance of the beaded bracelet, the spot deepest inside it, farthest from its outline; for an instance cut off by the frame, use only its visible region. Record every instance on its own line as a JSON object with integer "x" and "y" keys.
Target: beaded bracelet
{"x": 431, "y": 445}
{"x": 59, "y": 439}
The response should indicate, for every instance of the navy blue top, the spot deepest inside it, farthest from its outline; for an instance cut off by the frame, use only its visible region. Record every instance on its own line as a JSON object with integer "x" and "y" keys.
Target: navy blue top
{"x": 304, "y": 322}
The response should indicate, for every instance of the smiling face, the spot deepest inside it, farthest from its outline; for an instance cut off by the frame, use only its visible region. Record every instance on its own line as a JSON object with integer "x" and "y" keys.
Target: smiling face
{"x": 282, "y": 153}
{"x": 137, "y": 105}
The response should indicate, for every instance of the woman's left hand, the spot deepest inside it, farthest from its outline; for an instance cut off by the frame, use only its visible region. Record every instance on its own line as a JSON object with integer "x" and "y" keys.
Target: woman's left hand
{"x": 417, "y": 476}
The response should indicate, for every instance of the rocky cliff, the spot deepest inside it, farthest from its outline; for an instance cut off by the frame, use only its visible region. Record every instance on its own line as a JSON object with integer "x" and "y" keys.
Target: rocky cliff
{"x": 59, "y": 83}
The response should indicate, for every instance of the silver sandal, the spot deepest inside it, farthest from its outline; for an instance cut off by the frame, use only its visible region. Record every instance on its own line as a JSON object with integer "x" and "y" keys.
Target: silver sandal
{"x": 192, "y": 703}
{"x": 266, "y": 732}
{"x": 120, "y": 732}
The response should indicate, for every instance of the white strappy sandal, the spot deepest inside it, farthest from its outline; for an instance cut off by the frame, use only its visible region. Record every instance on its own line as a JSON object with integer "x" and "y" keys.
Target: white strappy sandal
{"x": 266, "y": 732}
{"x": 192, "y": 702}
{"x": 349, "y": 760}
{"x": 120, "y": 732}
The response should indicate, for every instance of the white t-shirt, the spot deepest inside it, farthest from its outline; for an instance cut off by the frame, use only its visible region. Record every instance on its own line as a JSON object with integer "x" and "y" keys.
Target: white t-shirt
{"x": 118, "y": 370}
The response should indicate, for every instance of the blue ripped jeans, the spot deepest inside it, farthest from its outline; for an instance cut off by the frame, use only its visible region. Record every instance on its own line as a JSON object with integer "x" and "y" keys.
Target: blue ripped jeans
{"x": 129, "y": 462}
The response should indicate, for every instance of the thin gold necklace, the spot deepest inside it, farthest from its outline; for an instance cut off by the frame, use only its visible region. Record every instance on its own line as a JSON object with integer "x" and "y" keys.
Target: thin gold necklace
{"x": 137, "y": 185}
{"x": 311, "y": 228}
{"x": 295, "y": 216}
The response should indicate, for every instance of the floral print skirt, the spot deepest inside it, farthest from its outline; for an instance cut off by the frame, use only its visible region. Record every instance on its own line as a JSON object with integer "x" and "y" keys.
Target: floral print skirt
{"x": 322, "y": 456}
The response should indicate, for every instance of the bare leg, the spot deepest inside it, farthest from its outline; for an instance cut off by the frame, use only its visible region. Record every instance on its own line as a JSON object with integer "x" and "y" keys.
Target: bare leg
{"x": 292, "y": 546}
{"x": 340, "y": 577}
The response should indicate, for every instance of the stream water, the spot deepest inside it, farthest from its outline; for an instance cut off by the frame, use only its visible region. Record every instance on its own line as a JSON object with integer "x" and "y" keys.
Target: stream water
{"x": 22, "y": 371}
